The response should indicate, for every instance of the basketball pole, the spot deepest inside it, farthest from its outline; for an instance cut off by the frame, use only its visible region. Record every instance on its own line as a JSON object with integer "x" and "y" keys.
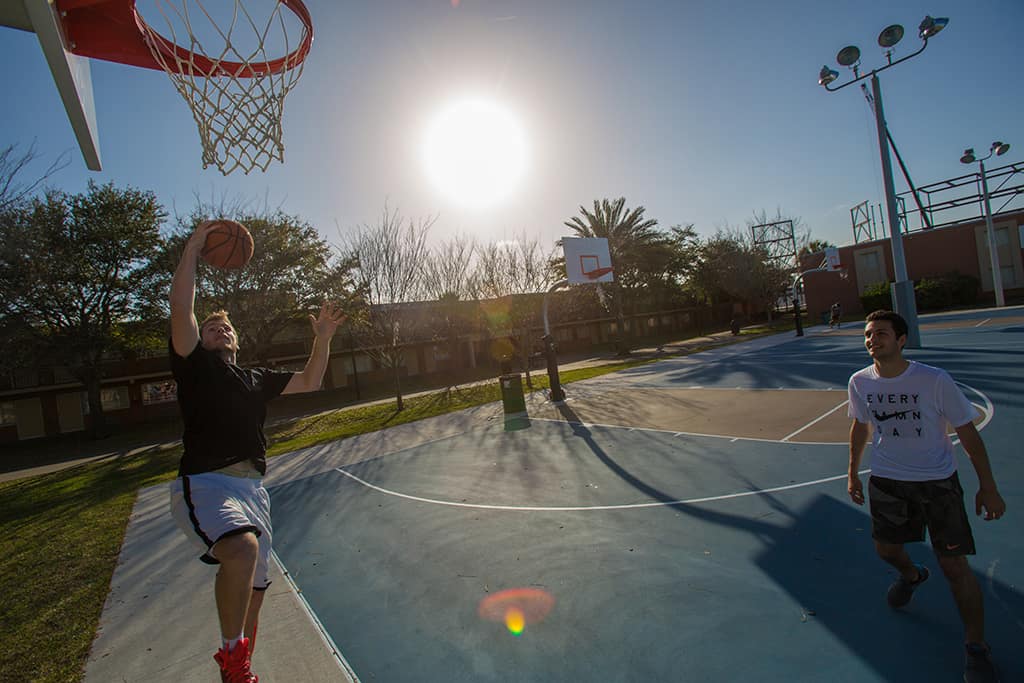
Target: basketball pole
{"x": 798, "y": 280}
{"x": 550, "y": 353}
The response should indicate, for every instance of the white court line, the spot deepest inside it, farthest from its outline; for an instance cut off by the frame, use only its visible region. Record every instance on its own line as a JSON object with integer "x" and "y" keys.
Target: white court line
{"x": 586, "y": 508}
{"x": 815, "y": 421}
{"x": 324, "y": 635}
{"x": 983, "y": 322}
{"x": 731, "y": 437}
{"x": 988, "y": 410}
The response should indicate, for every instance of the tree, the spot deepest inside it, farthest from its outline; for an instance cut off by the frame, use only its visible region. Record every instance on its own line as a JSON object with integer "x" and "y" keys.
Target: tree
{"x": 732, "y": 268}
{"x": 72, "y": 273}
{"x": 292, "y": 271}
{"x": 632, "y": 243}
{"x": 447, "y": 279}
{"x": 14, "y": 187}
{"x": 785, "y": 255}
{"x": 813, "y": 247}
{"x": 389, "y": 259}
{"x": 512, "y": 274}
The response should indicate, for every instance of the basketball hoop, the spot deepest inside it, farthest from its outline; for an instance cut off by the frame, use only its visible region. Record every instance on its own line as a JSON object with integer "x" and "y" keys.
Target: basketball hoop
{"x": 235, "y": 89}
{"x": 596, "y": 274}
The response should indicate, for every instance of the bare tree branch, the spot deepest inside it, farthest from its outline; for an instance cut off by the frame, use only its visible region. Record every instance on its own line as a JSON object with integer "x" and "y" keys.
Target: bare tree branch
{"x": 13, "y": 187}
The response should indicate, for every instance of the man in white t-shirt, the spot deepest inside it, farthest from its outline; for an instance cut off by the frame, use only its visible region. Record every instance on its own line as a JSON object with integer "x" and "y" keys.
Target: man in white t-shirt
{"x": 914, "y": 483}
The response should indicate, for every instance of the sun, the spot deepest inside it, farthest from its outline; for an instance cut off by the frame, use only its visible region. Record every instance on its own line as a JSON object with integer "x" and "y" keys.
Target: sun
{"x": 474, "y": 152}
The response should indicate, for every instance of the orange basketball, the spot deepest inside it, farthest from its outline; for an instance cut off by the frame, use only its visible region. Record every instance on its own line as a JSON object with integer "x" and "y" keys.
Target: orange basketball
{"x": 228, "y": 245}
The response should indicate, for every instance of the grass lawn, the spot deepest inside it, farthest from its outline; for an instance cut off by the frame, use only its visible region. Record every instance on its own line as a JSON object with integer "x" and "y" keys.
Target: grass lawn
{"x": 62, "y": 532}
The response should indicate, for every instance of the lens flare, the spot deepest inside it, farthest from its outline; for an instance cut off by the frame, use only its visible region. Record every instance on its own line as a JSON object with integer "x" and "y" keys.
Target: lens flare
{"x": 516, "y": 608}
{"x": 515, "y": 621}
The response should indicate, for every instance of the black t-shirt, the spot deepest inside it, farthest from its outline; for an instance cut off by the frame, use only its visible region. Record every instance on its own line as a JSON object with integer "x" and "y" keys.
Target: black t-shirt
{"x": 223, "y": 407}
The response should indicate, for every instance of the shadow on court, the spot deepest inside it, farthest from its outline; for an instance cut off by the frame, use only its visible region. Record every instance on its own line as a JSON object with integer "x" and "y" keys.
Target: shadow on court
{"x": 825, "y": 562}
{"x": 765, "y": 587}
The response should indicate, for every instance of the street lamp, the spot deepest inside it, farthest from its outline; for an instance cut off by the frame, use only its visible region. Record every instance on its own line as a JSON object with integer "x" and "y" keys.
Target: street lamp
{"x": 998, "y": 148}
{"x": 902, "y": 288}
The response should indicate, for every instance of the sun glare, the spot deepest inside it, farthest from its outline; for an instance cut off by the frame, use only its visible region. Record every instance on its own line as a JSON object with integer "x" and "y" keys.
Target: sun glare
{"x": 475, "y": 153}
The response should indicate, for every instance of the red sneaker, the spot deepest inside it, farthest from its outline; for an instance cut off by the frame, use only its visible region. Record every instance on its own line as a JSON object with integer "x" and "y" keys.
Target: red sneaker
{"x": 234, "y": 665}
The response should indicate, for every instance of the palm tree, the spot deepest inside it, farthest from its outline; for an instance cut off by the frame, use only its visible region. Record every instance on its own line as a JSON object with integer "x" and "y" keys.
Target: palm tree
{"x": 631, "y": 238}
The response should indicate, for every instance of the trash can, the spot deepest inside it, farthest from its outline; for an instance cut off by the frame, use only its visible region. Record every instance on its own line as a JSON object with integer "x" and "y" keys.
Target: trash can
{"x": 512, "y": 394}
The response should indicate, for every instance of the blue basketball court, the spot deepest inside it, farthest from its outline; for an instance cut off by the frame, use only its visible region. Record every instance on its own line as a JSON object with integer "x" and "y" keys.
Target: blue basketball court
{"x": 685, "y": 520}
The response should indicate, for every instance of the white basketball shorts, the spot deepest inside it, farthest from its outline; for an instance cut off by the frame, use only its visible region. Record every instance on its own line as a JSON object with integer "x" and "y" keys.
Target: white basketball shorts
{"x": 211, "y": 506}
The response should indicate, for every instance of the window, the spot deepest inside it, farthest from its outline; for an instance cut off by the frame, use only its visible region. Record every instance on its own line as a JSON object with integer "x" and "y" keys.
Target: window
{"x": 364, "y": 363}
{"x": 1007, "y": 276}
{"x": 114, "y": 399}
{"x": 7, "y": 416}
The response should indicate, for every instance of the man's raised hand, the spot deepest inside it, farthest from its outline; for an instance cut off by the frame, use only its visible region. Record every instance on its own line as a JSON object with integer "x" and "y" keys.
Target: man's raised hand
{"x": 327, "y": 322}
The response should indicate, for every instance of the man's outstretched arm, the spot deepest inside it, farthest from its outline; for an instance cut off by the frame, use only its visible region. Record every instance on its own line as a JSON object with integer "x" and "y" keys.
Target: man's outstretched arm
{"x": 324, "y": 327}
{"x": 184, "y": 329}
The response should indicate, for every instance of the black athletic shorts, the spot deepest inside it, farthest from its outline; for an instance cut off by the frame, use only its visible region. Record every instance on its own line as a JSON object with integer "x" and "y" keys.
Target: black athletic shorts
{"x": 901, "y": 510}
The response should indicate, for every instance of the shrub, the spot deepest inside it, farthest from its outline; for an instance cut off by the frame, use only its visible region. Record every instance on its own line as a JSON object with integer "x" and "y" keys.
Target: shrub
{"x": 876, "y": 297}
{"x": 946, "y": 291}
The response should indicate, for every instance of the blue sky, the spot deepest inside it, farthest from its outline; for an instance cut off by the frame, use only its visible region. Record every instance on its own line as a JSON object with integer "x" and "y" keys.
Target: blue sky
{"x": 702, "y": 112}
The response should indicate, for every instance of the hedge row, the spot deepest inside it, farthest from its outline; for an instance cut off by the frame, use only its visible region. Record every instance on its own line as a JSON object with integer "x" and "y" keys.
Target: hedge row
{"x": 930, "y": 293}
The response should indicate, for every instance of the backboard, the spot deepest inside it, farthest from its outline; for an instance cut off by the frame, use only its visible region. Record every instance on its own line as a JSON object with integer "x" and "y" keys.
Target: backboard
{"x": 71, "y": 73}
{"x": 832, "y": 260}
{"x": 587, "y": 260}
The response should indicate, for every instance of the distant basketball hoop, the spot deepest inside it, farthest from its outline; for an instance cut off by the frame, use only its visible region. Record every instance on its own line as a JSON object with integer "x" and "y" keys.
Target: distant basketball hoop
{"x": 217, "y": 59}
{"x": 587, "y": 260}
{"x": 596, "y": 274}
{"x": 832, "y": 260}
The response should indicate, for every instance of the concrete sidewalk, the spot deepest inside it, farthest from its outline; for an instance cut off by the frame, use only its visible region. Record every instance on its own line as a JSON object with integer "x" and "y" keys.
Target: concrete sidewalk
{"x": 159, "y": 622}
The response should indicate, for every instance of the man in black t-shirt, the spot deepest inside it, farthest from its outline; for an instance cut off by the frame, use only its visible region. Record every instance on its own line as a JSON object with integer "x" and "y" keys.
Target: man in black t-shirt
{"x": 218, "y": 498}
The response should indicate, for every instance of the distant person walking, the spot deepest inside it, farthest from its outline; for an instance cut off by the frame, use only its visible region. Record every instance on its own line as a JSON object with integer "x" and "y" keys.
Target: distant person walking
{"x": 218, "y": 499}
{"x": 835, "y": 313}
{"x": 914, "y": 484}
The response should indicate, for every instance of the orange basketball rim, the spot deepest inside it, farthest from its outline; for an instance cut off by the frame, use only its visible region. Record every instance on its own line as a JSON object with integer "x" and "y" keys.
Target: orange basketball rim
{"x": 113, "y": 30}
{"x": 236, "y": 90}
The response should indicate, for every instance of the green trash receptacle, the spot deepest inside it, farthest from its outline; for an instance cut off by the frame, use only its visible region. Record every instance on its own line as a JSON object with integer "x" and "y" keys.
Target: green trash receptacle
{"x": 512, "y": 394}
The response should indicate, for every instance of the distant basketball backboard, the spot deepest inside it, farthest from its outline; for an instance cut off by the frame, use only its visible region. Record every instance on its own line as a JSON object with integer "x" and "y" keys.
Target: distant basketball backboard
{"x": 587, "y": 260}
{"x": 71, "y": 73}
{"x": 832, "y": 259}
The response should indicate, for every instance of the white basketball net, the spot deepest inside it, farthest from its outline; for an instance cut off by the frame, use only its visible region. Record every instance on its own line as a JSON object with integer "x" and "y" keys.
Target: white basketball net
{"x": 239, "y": 116}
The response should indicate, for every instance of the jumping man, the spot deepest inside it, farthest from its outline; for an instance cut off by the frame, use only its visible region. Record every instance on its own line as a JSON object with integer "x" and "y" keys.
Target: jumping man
{"x": 218, "y": 499}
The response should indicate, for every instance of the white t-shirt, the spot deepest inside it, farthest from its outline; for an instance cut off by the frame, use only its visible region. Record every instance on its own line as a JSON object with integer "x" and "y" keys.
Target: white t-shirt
{"x": 911, "y": 415}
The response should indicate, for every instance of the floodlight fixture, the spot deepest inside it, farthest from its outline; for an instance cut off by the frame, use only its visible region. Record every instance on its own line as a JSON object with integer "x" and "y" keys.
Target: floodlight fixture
{"x": 998, "y": 149}
{"x": 849, "y": 56}
{"x": 827, "y": 75}
{"x": 890, "y": 36}
{"x": 931, "y": 26}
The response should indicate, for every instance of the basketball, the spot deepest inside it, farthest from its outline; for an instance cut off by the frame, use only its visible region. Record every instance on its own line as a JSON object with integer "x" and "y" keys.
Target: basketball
{"x": 228, "y": 245}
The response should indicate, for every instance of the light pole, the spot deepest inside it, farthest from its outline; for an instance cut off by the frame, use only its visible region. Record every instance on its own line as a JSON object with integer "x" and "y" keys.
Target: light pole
{"x": 902, "y": 288}
{"x": 999, "y": 149}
